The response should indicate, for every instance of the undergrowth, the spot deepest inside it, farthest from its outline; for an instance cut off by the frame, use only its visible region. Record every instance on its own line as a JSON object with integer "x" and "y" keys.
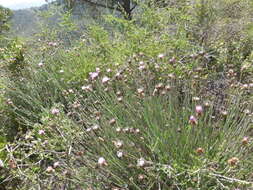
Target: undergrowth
{"x": 163, "y": 101}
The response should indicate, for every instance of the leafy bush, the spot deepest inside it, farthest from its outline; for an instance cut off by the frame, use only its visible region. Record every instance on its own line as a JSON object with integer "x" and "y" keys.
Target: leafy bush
{"x": 5, "y": 15}
{"x": 13, "y": 57}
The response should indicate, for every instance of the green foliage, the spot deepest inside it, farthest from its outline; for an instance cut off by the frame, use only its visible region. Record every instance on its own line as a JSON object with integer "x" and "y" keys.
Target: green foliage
{"x": 5, "y": 15}
{"x": 149, "y": 33}
{"x": 144, "y": 115}
{"x": 13, "y": 56}
{"x": 109, "y": 106}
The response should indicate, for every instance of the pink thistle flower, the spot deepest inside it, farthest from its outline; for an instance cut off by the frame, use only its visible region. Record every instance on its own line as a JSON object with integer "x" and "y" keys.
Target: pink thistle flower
{"x": 105, "y": 80}
{"x": 1, "y": 164}
{"x": 119, "y": 93}
{"x": 199, "y": 109}
{"x": 141, "y": 177}
{"x": 118, "y": 144}
{"x": 141, "y": 63}
{"x": 98, "y": 70}
{"x": 41, "y": 132}
{"x": 224, "y": 113}
{"x": 193, "y": 120}
{"x": 120, "y": 99}
{"x": 118, "y": 129}
{"x": 172, "y": 60}
{"x": 112, "y": 121}
{"x": 120, "y": 154}
{"x": 53, "y": 44}
{"x": 207, "y": 104}
{"x": 126, "y": 130}
{"x": 102, "y": 162}
{"x": 161, "y": 56}
{"x": 87, "y": 88}
{"x": 159, "y": 86}
{"x": 95, "y": 127}
{"x": 168, "y": 87}
{"x": 142, "y": 67}
{"x": 140, "y": 90}
{"x": 41, "y": 64}
{"x": 9, "y": 102}
{"x": 50, "y": 169}
{"x": 118, "y": 76}
{"x": 157, "y": 66}
{"x": 141, "y": 162}
{"x": 245, "y": 140}
{"x": 56, "y": 164}
{"x": 195, "y": 98}
{"x": 88, "y": 129}
{"x": 137, "y": 131}
{"x": 55, "y": 111}
{"x": 93, "y": 75}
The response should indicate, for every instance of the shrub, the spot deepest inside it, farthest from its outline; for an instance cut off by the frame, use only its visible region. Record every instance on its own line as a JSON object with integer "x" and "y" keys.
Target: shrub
{"x": 149, "y": 130}
{"x": 176, "y": 115}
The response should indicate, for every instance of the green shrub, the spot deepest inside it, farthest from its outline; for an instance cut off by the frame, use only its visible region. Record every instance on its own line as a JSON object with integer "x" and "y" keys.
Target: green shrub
{"x": 5, "y": 15}
{"x": 137, "y": 135}
{"x": 12, "y": 57}
{"x": 129, "y": 127}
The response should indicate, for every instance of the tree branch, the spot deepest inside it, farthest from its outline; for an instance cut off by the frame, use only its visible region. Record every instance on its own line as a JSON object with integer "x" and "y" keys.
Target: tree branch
{"x": 102, "y": 5}
{"x": 133, "y": 7}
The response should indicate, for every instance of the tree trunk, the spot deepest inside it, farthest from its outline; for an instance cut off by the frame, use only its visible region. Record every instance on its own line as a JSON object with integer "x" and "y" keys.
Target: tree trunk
{"x": 127, "y": 11}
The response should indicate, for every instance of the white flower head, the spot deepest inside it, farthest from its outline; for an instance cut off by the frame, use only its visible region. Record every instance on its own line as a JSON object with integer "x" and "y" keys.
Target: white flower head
{"x": 120, "y": 154}
{"x": 199, "y": 109}
{"x": 94, "y": 75}
{"x": 160, "y": 56}
{"x": 50, "y": 169}
{"x": 87, "y": 88}
{"x": 118, "y": 144}
{"x": 141, "y": 162}
{"x": 41, "y": 132}
{"x": 102, "y": 162}
{"x": 55, "y": 111}
{"x": 193, "y": 120}
{"x": 1, "y": 164}
{"x": 56, "y": 164}
{"x": 95, "y": 127}
{"x": 105, "y": 80}
{"x": 41, "y": 64}
{"x": 88, "y": 129}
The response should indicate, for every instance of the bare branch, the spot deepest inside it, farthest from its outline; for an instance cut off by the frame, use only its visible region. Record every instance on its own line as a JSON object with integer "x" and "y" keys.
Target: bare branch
{"x": 102, "y": 5}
